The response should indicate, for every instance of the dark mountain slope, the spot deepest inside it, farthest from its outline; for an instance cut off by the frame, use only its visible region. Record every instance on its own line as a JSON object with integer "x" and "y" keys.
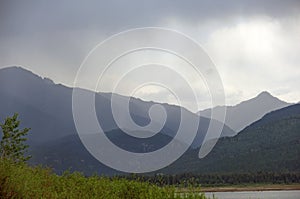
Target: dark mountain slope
{"x": 270, "y": 144}
{"x": 69, "y": 152}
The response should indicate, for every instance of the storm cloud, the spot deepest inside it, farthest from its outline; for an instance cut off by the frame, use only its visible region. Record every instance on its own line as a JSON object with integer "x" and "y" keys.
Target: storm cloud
{"x": 255, "y": 44}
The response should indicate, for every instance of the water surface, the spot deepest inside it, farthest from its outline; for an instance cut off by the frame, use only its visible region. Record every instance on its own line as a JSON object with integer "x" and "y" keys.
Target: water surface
{"x": 289, "y": 194}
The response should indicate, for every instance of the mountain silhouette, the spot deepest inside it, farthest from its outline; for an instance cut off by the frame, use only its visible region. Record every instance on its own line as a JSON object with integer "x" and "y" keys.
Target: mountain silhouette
{"x": 46, "y": 108}
{"x": 246, "y": 112}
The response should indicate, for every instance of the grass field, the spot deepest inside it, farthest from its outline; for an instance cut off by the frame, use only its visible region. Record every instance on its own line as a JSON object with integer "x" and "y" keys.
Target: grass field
{"x": 22, "y": 181}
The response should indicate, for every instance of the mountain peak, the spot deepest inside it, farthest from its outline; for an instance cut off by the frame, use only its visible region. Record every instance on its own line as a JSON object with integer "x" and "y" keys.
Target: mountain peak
{"x": 18, "y": 70}
{"x": 15, "y": 68}
{"x": 246, "y": 112}
{"x": 265, "y": 94}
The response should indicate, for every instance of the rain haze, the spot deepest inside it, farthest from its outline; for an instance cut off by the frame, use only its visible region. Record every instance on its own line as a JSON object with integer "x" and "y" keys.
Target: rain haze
{"x": 254, "y": 44}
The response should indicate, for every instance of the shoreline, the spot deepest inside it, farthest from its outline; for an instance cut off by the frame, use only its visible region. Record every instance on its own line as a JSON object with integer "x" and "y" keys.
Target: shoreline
{"x": 243, "y": 188}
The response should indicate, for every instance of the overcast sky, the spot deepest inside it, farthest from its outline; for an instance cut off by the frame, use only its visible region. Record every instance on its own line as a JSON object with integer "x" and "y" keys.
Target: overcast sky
{"x": 255, "y": 44}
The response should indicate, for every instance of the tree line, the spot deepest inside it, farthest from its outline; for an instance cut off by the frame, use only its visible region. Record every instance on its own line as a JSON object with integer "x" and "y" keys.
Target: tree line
{"x": 191, "y": 179}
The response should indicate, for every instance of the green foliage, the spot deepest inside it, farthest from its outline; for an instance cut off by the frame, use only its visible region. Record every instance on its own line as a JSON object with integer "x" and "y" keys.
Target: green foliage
{"x": 269, "y": 145}
{"x": 12, "y": 145}
{"x": 22, "y": 181}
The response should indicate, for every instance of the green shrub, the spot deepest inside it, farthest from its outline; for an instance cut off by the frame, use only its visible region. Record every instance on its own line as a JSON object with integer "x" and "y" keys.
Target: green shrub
{"x": 17, "y": 180}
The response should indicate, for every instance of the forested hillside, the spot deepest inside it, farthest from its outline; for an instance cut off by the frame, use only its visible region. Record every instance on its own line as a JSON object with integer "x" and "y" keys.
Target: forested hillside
{"x": 271, "y": 144}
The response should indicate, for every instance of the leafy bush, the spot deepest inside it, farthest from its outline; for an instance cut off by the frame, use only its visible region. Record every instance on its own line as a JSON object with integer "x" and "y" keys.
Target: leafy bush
{"x": 17, "y": 180}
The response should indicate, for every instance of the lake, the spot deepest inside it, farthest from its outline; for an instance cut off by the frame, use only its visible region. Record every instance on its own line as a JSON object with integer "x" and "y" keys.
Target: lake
{"x": 290, "y": 194}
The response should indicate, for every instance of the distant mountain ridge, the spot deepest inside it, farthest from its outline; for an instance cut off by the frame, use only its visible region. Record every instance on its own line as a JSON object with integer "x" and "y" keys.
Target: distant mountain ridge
{"x": 246, "y": 112}
{"x": 46, "y": 108}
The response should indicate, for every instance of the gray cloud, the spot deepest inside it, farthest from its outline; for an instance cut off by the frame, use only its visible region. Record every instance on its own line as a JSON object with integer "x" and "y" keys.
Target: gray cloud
{"x": 53, "y": 37}
{"x": 19, "y": 17}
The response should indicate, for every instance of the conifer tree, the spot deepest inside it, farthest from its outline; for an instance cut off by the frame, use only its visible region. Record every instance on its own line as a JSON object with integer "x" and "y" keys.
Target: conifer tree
{"x": 12, "y": 145}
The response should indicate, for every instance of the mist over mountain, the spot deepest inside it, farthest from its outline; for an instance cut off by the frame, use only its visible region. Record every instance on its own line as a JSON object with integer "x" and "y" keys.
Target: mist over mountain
{"x": 46, "y": 108}
{"x": 246, "y": 112}
{"x": 27, "y": 93}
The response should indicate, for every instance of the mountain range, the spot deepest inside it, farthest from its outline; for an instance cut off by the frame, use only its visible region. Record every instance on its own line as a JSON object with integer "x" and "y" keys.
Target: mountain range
{"x": 46, "y": 107}
{"x": 271, "y": 144}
